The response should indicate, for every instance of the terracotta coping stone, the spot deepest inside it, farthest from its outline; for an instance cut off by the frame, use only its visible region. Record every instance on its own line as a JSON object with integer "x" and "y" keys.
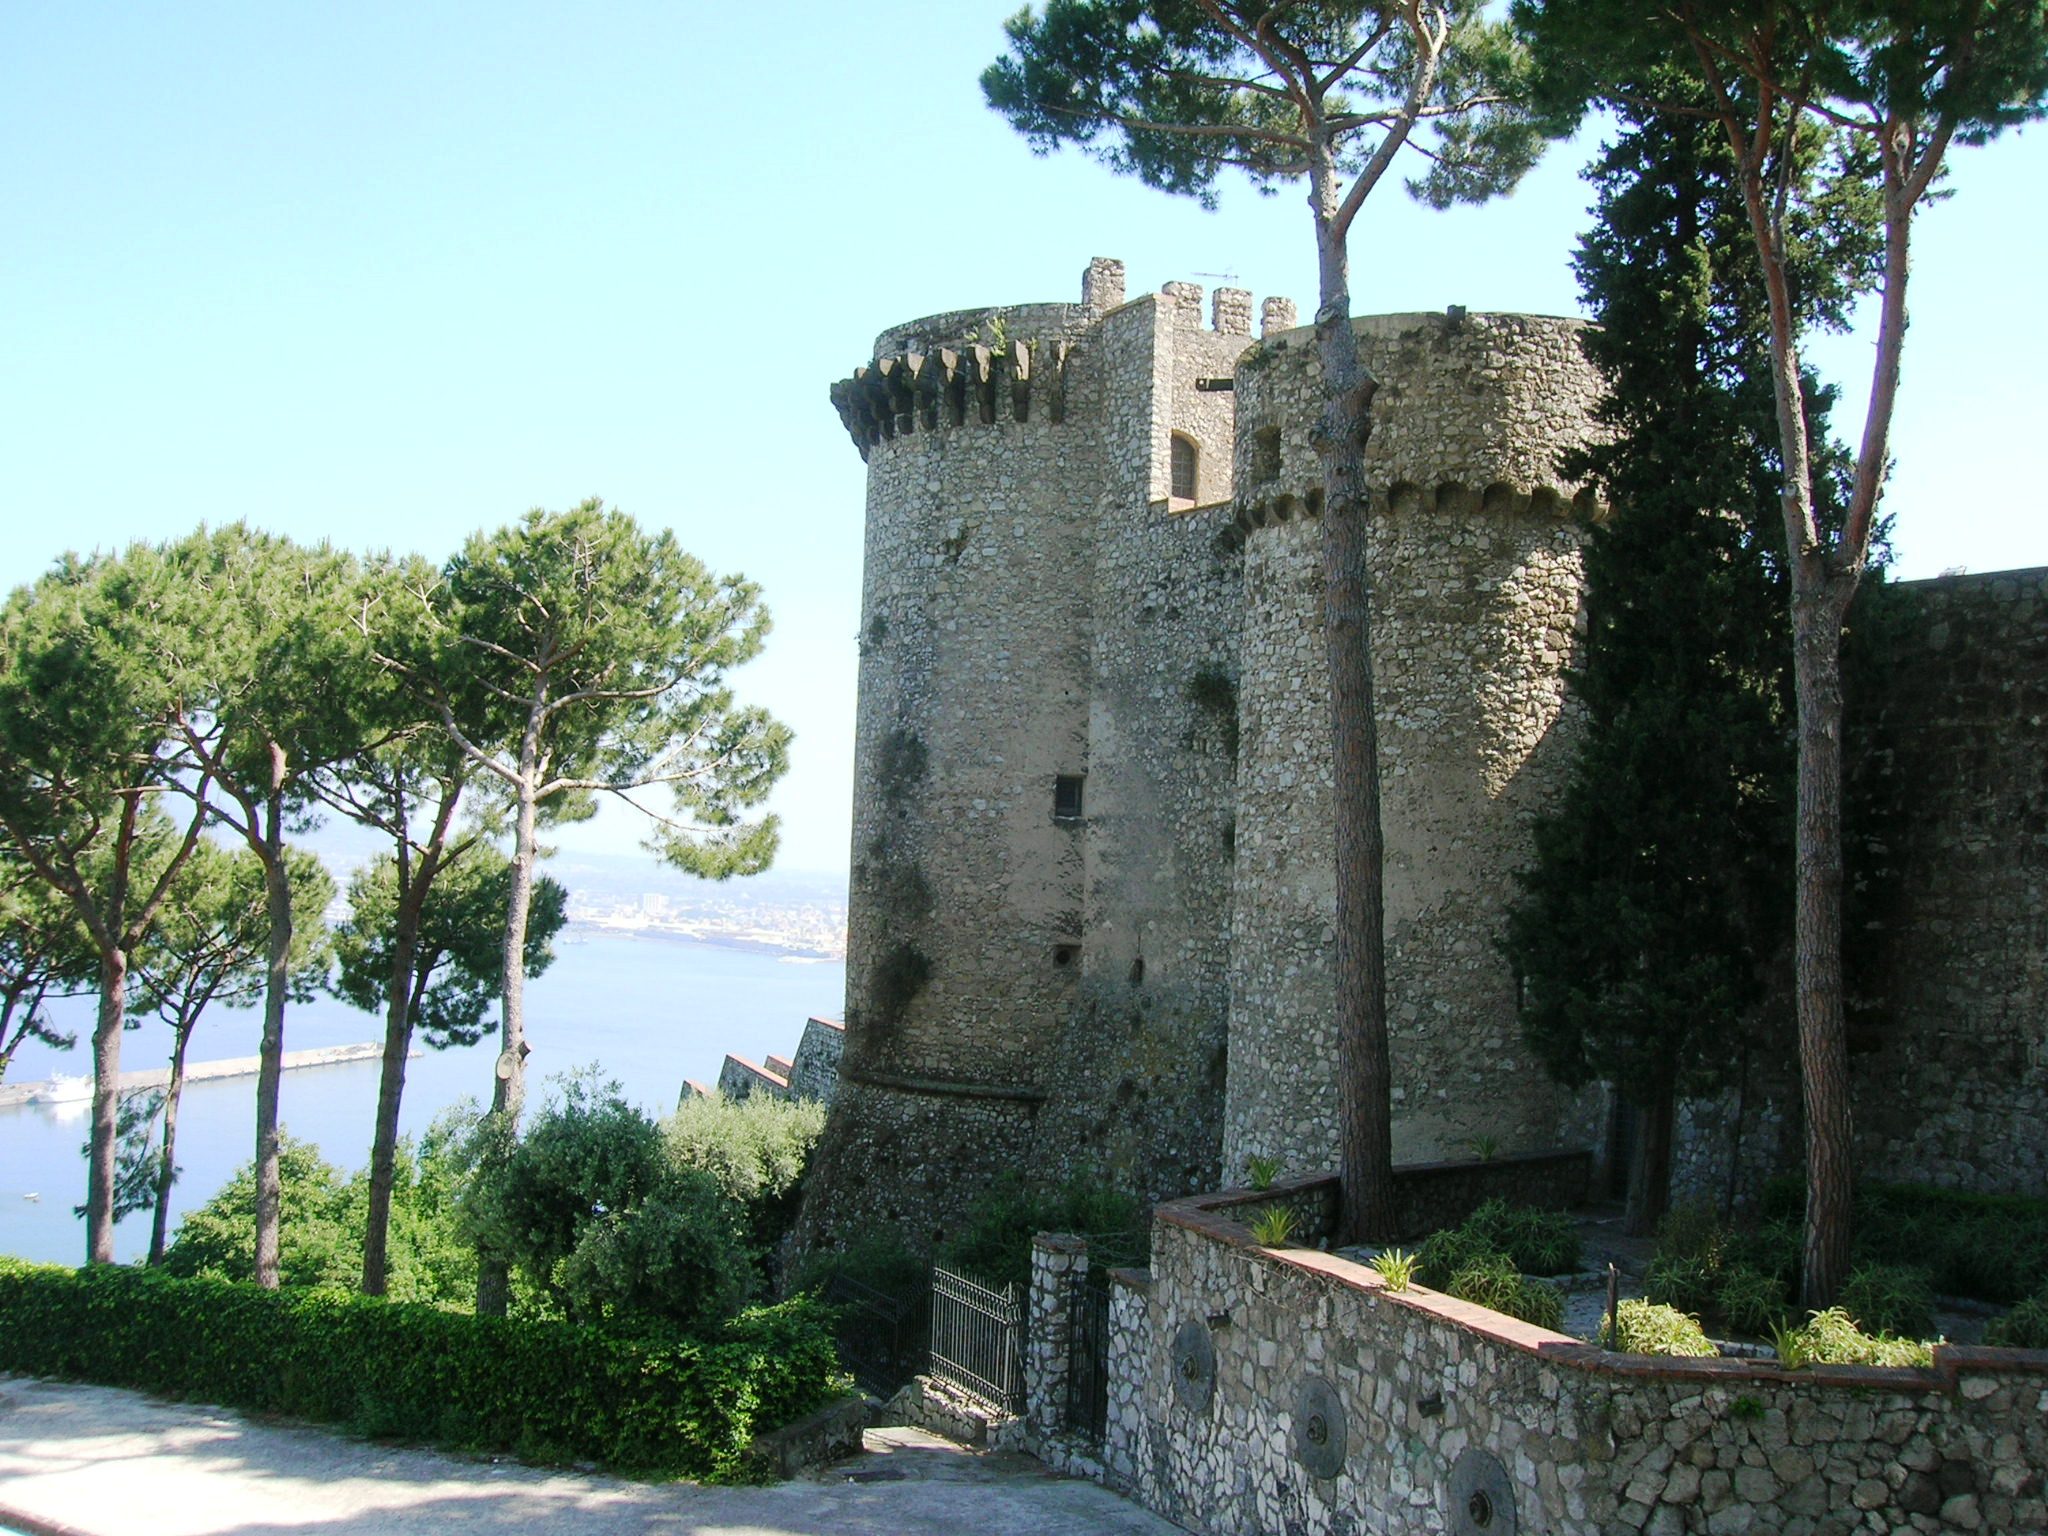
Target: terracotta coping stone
{"x": 1203, "y": 1216}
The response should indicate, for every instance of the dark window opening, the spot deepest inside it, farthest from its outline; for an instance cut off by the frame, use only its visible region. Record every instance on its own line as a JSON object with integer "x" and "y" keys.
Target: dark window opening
{"x": 1138, "y": 971}
{"x": 1066, "y": 797}
{"x": 1183, "y": 463}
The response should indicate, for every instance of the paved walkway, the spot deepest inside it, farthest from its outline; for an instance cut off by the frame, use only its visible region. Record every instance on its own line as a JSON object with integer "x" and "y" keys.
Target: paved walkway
{"x": 95, "y": 1461}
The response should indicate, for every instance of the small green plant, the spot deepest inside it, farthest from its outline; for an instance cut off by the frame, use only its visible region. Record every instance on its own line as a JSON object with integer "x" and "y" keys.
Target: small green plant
{"x": 1445, "y": 1253}
{"x": 1750, "y": 1299}
{"x": 1493, "y": 1281}
{"x": 2024, "y": 1327}
{"x": 1485, "y": 1148}
{"x": 1832, "y": 1338}
{"x": 1261, "y": 1171}
{"x": 1538, "y": 1242}
{"x": 1889, "y": 1298}
{"x": 1646, "y": 1328}
{"x": 1273, "y": 1225}
{"x": 1688, "y": 1283}
{"x": 1746, "y": 1409}
{"x": 1395, "y": 1267}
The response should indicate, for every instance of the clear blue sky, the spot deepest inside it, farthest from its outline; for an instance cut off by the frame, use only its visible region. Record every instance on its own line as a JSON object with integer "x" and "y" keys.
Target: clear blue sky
{"x": 391, "y": 273}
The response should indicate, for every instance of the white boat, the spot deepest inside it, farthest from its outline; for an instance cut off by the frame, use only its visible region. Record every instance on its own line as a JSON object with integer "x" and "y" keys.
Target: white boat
{"x": 64, "y": 1089}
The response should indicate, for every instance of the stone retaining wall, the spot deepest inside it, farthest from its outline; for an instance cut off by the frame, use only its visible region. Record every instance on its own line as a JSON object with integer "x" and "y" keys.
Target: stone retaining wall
{"x": 1285, "y": 1391}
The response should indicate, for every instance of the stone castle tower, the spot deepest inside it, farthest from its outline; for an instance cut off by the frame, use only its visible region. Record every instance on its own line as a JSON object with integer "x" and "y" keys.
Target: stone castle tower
{"x": 1092, "y": 886}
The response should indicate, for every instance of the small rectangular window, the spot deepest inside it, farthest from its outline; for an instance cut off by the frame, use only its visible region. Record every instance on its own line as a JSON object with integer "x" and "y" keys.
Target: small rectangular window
{"x": 1182, "y": 479}
{"x": 1066, "y": 797}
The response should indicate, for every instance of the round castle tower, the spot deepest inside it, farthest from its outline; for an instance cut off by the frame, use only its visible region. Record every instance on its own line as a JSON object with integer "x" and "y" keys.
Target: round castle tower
{"x": 1037, "y": 966}
{"x": 1476, "y": 576}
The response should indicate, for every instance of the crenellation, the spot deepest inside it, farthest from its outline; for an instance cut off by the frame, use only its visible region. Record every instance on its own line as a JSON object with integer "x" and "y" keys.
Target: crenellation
{"x": 1102, "y": 286}
{"x": 1230, "y": 311}
{"x": 1184, "y": 303}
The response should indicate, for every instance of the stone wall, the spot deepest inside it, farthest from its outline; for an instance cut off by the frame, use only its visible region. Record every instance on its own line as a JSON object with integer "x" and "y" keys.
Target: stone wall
{"x": 1263, "y": 1391}
{"x": 1476, "y": 574}
{"x": 1951, "y": 1073}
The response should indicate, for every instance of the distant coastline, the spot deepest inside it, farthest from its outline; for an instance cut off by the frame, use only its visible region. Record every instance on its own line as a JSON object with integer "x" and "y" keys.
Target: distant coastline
{"x": 797, "y": 946}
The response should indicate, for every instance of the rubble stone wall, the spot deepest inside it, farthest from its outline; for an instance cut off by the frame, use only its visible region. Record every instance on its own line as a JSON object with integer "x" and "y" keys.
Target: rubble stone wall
{"x": 1263, "y": 1391}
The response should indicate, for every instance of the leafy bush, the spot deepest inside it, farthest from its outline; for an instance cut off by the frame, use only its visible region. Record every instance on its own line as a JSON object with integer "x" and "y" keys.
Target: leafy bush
{"x": 2024, "y": 1327}
{"x": 1832, "y": 1338}
{"x": 323, "y": 1216}
{"x": 1751, "y": 1300}
{"x": 1540, "y": 1242}
{"x": 1444, "y": 1253}
{"x": 754, "y": 1148}
{"x": 1688, "y": 1283}
{"x": 1645, "y": 1328}
{"x": 1889, "y": 1298}
{"x": 652, "y": 1401}
{"x": 601, "y": 1223}
{"x": 1493, "y": 1281}
{"x": 994, "y": 1241}
{"x": 1708, "y": 1268}
{"x": 1991, "y": 1247}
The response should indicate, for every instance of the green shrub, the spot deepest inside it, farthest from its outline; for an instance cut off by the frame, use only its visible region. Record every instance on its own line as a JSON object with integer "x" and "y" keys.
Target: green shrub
{"x": 1889, "y": 1298}
{"x": 1444, "y": 1253}
{"x": 595, "y": 1212}
{"x": 652, "y": 1401}
{"x": 1645, "y": 1328}
{"x": 1832, "y": 1338}
{"x": 1991, "y": 1247}
{"x": 323, "y": 1213}
{"x": 1692, "y": 1231}
{"x": 994, "y": 1242}
{"x": 1750, "y": 1299}
{"x": 1688, "y": 1283}
{"x": 755, "y": 1148}
{"x": 2024, "y": 1327}
{"x": 1260, "y": 1172}
{"x": 1540, "y": 1242}
{"x": 1493, "y": 1281}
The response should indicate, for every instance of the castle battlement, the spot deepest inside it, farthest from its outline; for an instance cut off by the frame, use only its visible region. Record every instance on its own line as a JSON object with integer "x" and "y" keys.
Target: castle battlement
{"x": 911, "y": 391}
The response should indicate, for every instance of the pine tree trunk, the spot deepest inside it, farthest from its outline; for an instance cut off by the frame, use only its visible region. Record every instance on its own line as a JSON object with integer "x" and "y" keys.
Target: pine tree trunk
{"x": 106, "y": 1106}
{"x": 1649, "y": 1170}
{"x": 270, "y": 1054}
{"x": 493, "y": 1284}
{"x": 390, "y": 1092}
{"x": 1817, "y": 936}
{"x": 1369, "y": 1209}
{"x": 167, "y": 1168}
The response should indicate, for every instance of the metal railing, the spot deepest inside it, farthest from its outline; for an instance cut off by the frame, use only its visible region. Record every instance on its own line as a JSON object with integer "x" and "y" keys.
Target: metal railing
{"x": 978, "y": 1340}
{"x": 1087, "y": 1406}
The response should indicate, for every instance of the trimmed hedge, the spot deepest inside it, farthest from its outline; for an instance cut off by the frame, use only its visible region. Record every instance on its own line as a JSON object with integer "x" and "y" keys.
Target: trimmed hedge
{"x": 648, "y": 1402}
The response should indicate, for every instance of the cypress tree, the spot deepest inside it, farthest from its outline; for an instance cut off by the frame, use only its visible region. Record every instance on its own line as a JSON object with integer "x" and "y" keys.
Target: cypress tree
{"x": 1662, "y": 877}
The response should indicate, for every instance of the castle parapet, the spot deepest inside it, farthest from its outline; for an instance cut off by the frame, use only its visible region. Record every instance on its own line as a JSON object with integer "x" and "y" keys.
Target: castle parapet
{"x": 909, "y": 392}
{"x": 1472, "y": 411}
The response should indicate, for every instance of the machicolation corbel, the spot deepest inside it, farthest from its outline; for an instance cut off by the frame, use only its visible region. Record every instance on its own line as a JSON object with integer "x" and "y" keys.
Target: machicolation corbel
{"x": 908, "y": 392}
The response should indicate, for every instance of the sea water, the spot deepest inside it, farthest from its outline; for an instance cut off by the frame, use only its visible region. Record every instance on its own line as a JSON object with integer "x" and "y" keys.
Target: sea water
{"x": 650, "y": 1011}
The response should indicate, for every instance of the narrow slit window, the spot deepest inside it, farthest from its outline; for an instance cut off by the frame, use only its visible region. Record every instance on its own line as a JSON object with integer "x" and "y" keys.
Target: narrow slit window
{"x": 1066, "y": 797}
{"x": 1184, "y": 461}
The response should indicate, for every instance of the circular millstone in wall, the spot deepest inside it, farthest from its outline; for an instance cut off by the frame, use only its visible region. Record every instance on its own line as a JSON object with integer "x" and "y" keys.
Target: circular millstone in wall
{"x": 1194, "y": 1366}
{"x": 1482, "y": 1500}
{"x": 1319, "y": 1429}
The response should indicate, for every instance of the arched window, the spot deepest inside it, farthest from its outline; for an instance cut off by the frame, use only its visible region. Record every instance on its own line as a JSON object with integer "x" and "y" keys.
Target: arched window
{"x": 1184, "y": 461}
